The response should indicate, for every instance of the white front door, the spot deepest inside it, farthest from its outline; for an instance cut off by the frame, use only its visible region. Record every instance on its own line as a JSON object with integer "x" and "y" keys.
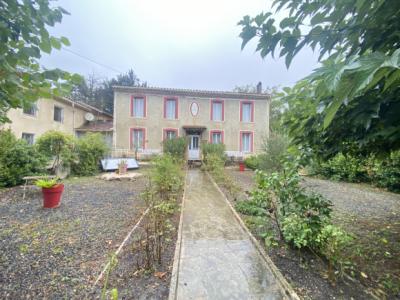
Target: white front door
{"x": 194, "y": 150}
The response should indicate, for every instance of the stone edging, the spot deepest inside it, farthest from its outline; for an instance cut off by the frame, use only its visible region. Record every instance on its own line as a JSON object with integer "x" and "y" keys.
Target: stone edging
{"x": 282, "y": 281}
{"x": 173, "y": 285}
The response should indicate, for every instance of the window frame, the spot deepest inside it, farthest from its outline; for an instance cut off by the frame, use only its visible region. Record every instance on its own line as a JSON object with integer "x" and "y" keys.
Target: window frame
{"x": 212, "y": 101}
{"x": 251, "y": 112}
{"x": 35, "y": 111}
{"x": 27, "y": 133}
{"x": 132, "y": 110}
{"x": 167, "y": 98}
{"x": 131, "y": 140}
{"x": 165, "y": 130}
{"x": 251, "y": 142}
{"x": 62, "y": 113}
{"x": 216, "y": 131}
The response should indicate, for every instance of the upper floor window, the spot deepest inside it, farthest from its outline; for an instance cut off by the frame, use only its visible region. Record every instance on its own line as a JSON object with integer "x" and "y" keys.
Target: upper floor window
{"x": 138, "y": 136}
{"x": 171, "y": 108}
{"x": 246, "y": 141}
{"x": 58, "y": 114}
{"x": 217, "y": 110}
{"x": 247, "y": 111}
{"x": 216, "y": 137}
{"x": 170, "y": 133}
{"x": 28, "y": 137}
{"x": 31, "y": 109}
{"x": 138, "y": 106}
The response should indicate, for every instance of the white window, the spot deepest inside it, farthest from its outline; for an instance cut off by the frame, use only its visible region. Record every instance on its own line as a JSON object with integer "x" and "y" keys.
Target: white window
{"x": 58, "y": 114}
{"x": 138, "y": 110}
{"x": 247, "y": 112}
{"x": 170, "y": 134}
{"x": 138, "y": 138}
{"x": 31, "y": 109}
{"x": 216, "y": 137}
{"x": 28, "y": 137}
{"x": 217, "y": 111}
{"x": 246, "y": 142}
{"x": 171, "y": 109}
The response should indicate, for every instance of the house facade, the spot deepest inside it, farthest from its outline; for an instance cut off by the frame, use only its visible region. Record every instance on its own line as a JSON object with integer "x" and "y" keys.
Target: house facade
{"x": 59, "y": 114}
{"x": 144, "y": 117}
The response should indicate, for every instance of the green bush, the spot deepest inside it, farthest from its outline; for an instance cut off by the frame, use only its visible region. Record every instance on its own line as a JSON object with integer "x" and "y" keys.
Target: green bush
{"x": 252, "y": 162}
{"x": 248, "y": 207}
{"x": 166, "y": 176}
{"x": 218, "y": 150}
{"x": 344, "y": 167}
{"x": 387, "y": 172}
{"x": 57, "y": 146}
{"x": 90, "y": 149}
{"x": 18, "y": 159}
{"x": 298, "y": 231}
{"x": 176, "y": 148}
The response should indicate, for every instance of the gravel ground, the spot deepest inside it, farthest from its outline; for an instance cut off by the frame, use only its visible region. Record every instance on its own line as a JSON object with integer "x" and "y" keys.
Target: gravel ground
{"x": 58, "y": 253}
{"x": 371, "y": 215}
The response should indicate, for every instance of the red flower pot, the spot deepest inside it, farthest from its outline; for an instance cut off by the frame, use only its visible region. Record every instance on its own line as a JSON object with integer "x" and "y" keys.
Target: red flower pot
{"x": 241, "y": 166}
{"x": 52, "y": 196}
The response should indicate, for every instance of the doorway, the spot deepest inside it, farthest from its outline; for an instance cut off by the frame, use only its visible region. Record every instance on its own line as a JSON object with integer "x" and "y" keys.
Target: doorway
{"x": 194, "y": 147}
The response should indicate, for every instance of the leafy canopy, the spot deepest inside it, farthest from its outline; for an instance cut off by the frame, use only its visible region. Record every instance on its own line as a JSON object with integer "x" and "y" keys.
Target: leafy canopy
{"x": 24, "y": 37}
{"x": 357, "y": 86}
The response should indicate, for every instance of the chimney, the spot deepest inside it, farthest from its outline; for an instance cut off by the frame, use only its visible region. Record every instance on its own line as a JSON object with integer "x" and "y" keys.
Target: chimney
{"x": 259, "y": 87}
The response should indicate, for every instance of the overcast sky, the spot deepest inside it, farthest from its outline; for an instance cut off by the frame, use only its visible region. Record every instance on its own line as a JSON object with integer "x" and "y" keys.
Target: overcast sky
{"x": 170, "y": 43}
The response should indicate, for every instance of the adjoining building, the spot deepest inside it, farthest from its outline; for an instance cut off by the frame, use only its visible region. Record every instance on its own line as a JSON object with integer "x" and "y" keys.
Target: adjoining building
{"x": 60, "y": 114}
{"x": 145, "y": 116}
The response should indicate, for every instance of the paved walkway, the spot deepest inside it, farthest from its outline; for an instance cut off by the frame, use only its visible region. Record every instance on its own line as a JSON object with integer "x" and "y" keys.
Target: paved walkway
{"x": 217, "y": 258}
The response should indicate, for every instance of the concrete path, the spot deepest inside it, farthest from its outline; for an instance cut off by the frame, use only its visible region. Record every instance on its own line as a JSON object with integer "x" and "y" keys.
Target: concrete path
{"x": 217, "y": 259}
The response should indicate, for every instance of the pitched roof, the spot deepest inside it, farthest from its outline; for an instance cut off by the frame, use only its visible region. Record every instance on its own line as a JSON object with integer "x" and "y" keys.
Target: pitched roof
{"x": 82, "y": 105}
{"x": 97, "y": 126}
{"x": 193, "y": 93}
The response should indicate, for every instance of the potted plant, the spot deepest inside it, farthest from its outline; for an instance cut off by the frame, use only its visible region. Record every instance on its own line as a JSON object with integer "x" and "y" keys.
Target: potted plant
{"x": 122, "y": 166}
{"x": 52, "y": 190}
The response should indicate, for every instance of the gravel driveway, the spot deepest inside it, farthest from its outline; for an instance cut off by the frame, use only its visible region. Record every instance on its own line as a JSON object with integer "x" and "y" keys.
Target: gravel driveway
{"x": 57, "y": 253}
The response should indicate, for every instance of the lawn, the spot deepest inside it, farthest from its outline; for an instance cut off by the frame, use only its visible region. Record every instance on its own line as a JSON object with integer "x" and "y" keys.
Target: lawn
{"x": 371, "y": 215}
{"x": 58, "y": 253}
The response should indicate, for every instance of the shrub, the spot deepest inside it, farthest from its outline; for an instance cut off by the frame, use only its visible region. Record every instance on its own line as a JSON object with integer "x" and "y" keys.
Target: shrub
{"x": 218, "y": 150}
{"x": 90, "y": 149}
{"x": 298, "y": 231}
{"x": 344, "y": 167}
{"x": 58, "y": 146}
{"x": 275, "y": 149}
{"x": 176, "y": 148}
{"x": 17, "y": 160}
{"x": 167, "y": 176}
{"x": 387, "y": 172}
{"x": 250, "y": 208}
{"x": 252, "y": 162}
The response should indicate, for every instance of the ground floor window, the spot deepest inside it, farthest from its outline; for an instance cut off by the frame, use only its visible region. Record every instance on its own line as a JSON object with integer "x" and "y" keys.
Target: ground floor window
{"x": 138, "y": 136}
{"x": 28, "y": 137}
{"x": 216, "y": 137}
{"x": 170, "y": 133}
{"x": 246, "y": 141}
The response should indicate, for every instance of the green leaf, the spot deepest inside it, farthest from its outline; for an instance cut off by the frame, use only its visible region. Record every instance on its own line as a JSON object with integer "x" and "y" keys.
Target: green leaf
{"x": 55, "y": 43}
{"x": 65, "y": 41}
{"x": 331, "y": 112}
{"x": 45, "y": 46}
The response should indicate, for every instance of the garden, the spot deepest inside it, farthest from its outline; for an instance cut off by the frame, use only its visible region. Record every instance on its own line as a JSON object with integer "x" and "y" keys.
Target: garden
{"x": 106, "y": 239}
{"x": 331, "y": 239}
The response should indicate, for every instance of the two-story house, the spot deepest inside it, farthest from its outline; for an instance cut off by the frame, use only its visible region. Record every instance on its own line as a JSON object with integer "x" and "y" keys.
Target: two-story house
{"x": 145, "y": 116}
{"x": 61, "y": 114}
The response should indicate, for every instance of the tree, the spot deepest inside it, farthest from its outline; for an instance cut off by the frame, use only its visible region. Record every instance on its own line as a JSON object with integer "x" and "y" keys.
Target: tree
{"x": 99, "y": 93}
{"x": 354, "y": 96}
{"x": 24, "y": 36}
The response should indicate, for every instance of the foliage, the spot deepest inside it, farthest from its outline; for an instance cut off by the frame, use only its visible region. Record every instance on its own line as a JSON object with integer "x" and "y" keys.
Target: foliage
{"x": 298, "y": 231}
{"x": 90, "y": 149}
{"x": 58, "y": 146}
{"x": 356, "y": 87}
{"x": 166, "y": 176}
{"x": 382, "y": 171}
{"x": 17, "y": 159}
{"x": 99, "y": 92}
{"x": 24, "y": 37}
{"x": 248, "y": 207}
{"x": 46, "y": 183}
{"x": 176, "y": 148}
{"x": 217, "y": 150}
{"x": 332, "y": 241}
{"x": 252, "y": 162}
{"x": 274, "y": 151}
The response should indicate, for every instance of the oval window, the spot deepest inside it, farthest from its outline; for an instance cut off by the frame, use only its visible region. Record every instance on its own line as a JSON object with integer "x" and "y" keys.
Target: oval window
{"x": 194, "y": 109}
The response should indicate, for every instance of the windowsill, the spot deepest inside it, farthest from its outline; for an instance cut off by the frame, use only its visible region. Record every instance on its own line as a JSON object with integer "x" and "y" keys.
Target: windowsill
{"x": 30, "y": 116}
{"x": 61, "y": 122}
{"x": 251, "y": 122}
{"x": 223, "y": 121}
{"x": 141, "y": 118}
{"x": 171, "y": 119}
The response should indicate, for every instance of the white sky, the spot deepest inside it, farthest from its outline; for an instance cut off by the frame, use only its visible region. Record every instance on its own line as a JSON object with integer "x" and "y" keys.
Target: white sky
{"x": 170, "y": 43}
